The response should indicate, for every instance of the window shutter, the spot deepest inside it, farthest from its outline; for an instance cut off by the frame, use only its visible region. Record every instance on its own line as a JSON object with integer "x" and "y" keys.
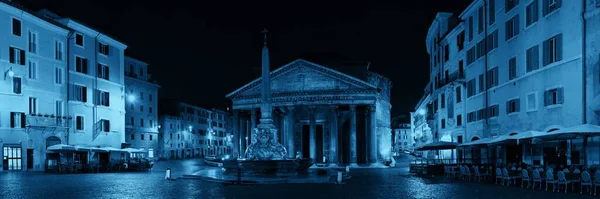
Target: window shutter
{"x": 84, "y": 93}
{"x": 536, "y": 57}
{"x": 546, "y": 98}
{"x": 516, "y": 25}
{"x": 545, "y": 52}
{"x": 544, "y": 7}
{"x": 560, "y": 95}
{"x": 23, "y": 120}
{"x": 106, "y": 49}
{"x": 11, "y": 54}
{"x": 106, "y": 74}
{"x": 12, "y": 120}
{"x": 535, "y": 11}
{"x": 22, "y": 55}
{"x": 99, "y": 70}
{"x": 518, "y": 105}
{"x": 508, "y": 107}
{"x": 96, "y": 97}
{"x": 107, "y": 99}
{"x": 559, "y": 47}
{"x": 106, "y": 125}
{"x": 84, "y": 66}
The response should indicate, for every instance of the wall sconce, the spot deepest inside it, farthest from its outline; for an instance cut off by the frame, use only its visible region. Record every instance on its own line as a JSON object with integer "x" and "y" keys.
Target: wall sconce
{"x": 9, "y": 73}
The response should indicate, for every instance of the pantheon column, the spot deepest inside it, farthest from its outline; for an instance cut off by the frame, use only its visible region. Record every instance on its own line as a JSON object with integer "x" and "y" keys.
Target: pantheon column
{"x": 313, "y": 132}
{"x": 372, "y": 135}
{"x": 333, "y": 146}
{"x": 290, "y": 138}
{"x": 236, "y": 133}
{"x": 252, "y": 123}
{"x": 282, "y": 127}
{"x": 242, "y": 130}
{"x": 353, "y": 158}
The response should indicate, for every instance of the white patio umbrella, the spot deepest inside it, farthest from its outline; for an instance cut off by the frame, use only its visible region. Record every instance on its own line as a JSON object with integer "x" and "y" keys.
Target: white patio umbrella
{"x": 132, "y": 150}
{"x": 61, "y": 147}
{"x": 583, "y": 131}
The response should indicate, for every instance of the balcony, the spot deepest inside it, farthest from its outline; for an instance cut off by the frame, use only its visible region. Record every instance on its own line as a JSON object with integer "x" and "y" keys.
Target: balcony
{"x": 45, "y": 120}
{"x": 455, "y": 76}
{"x": 148, "y": 77}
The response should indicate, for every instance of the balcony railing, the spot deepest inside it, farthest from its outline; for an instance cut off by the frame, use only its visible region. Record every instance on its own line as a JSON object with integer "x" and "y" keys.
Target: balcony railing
{"x": 455, "y": 76}
{"x": 40, "y": 120}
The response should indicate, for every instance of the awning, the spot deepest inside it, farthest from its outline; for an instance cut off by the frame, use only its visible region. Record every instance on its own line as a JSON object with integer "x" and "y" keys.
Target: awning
{"x": 61, "y": 147}
{"x": 438, "y": 146}
{"x": 484, "y": 141}
{"x": 89, "y": 149}
{"x": 575, "y": 132}
{"x": 132, "y": 150}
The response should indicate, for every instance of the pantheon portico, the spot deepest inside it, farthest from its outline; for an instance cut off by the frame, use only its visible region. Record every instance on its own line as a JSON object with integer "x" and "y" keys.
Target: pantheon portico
{"x": 320, "y": 112}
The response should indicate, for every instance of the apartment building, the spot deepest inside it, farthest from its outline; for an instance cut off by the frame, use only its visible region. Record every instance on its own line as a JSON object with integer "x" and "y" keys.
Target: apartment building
{"x": 521, "y": 65}
{"x": 188, "y": 131}
{"x": 403, "y": 138}
{"x": 33, "y": 91}
{"x": 141, "y": 105}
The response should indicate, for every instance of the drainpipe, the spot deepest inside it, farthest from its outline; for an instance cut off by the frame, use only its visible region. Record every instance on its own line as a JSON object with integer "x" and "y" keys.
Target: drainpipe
{"x": 95, "y": 86}
{"x": 485, "y": 72}
{"x": 67, "y": 79}
{"x": 583, "y": 63}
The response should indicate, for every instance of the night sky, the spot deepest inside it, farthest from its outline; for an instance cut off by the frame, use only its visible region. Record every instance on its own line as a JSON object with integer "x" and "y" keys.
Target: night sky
{"x": 199, "y": 52}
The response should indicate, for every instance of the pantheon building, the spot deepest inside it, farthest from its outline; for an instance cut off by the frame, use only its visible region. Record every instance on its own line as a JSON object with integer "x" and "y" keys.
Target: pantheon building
{"x": 346, "y": 109}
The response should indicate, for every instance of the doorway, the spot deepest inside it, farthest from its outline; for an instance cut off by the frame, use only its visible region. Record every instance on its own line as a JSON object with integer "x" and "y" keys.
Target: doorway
{"x": 319, "y": 142}
{"x": 344, "y": 139}
{"x": 29, "y": 158}
{"x": 305, "y": 141}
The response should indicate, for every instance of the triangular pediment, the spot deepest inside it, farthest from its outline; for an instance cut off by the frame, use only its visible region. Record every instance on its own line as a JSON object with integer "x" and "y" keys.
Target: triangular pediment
{"x": 304, "y": 76}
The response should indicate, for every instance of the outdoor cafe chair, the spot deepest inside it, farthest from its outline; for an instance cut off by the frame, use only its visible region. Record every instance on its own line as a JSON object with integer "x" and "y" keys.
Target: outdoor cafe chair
{"x": 468, "y": 174}
{"x": 562, "y": 180}
{"x": 586, "y": 181}
{"x": 566, "y": 170}
{"x": 506, "y": 176}
{"x": 536, "y": 178}
{"x": 596, "y": 181}
{"x": 525, "y": 177}
{"x": 550, "y": 180}
{"x": 479, "y": 175}
{"x": 446, "y": 171}
{"x": 461, "y": 172}
{"x": 499, "y": 176}
{"x": 577, "y": 171}
{"x": 453, "y": 172}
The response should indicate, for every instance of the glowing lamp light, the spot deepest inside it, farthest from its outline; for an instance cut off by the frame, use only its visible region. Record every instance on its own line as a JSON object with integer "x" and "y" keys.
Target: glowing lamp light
{"x": 131, "y": 98}
{"x": 422, "y": 112}
{"x": 11, "y": 73}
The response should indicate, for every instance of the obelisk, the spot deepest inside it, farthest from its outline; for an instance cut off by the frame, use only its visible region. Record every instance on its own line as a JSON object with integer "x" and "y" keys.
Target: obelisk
{"x": 266, "y": 122}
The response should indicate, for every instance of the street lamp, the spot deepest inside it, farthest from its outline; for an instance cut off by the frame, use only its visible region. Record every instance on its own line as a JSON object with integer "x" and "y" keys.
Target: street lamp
{"x": 422, "y": 111}
{"x": 246, "y": 141}
{"x": 131, "y": 98}
{"x": 9, "y": 73}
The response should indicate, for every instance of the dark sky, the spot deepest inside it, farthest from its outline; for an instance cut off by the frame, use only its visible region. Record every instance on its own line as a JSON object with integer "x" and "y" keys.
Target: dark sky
{"x": 199, "y": 52}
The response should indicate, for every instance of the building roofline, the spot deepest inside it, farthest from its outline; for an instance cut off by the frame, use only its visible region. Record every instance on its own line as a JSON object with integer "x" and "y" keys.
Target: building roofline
{"x": 146, "y": 82}
{"x": 27, "y": 14}
{"x": 135, "y": 60}
{"x": 85, "y": 29}
{"x": 469, "y": 8}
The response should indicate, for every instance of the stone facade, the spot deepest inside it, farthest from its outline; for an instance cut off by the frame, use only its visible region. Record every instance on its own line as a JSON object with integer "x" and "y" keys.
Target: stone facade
{"x": 321, "y": 113}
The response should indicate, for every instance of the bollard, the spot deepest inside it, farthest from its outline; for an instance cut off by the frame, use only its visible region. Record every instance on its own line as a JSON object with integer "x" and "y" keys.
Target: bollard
{"x": 339, "y": 177}
{"x": 168, "y": 174}
{"x": 347, "y": 168}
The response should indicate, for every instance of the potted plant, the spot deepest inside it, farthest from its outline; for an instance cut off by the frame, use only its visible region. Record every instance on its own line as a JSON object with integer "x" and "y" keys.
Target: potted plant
{"x": 64, "y": 117}
{"x": 52, "y": 115}
{"x": 46, "y": 115}
{"x": 70, "y": 117}
{"x": 33, "y": 114}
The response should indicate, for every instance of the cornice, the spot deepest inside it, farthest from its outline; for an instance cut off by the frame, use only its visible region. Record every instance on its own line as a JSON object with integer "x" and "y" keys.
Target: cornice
{"x": 312, "y": 93}
{"x": 381, "y": 77}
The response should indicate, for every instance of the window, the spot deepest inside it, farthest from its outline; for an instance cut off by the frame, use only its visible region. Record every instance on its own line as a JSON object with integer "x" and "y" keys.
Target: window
{"x": 480, "y": 20}
{"x": 16, "y": 27}
{"x": 102, "y": 98}
{"x": 458, "y": 94}
{"x": 149, "y": 109}
{"x": 471, "y": 55}
{"x": 81, "y": 65}
{"x": 142, "y": 136}
{"x": 17, "y": 120}
{"x": 481, "y": 83}
{"x": 58, "y": 75}
{"x": 460, "y": 40}
{"x": 33, "y": 69}
{"x": 531, "y": 13}
{"x": 492, "y": 40}
{"x": 16, "y": 56}
{"x": 443, "y": 123}
{"x": 141, "y": 122}
{"x": 510, "y": 4}
{"x": 471, "y": 90}
{"x": 103, "y": 71}
{"x": 513, "y": 106}
{"x": 59, "y": 108}
{"x": 492, "y": 11}
{"x": 446, "y": 52}
{"x": 553, "y": 96}
{"x": 33, "y": 41}
{"x": 493, "y": 111}
{"x": 533, "y": 58}
{"x": 58, "y": 50}
{"x": 150, "y": 137}
{"x": 132, "y": 136}
{"x": 150, "y": 97}
{"x": 552, "y": 49}
{"x": 492, "y": 77}
{"x": 512, "y": 27}
{"x": 79, "y": 39}
{"x": 141, "y": 95}
{"x": 141, "y": 71}
{"x": 550, "y": 6}
{"x": 443, "y": 100}
{"x": 481, "y": 48}
{"x": 470, "y": 21}
{"x": 32, "y": 105}
{"x": 531, "y": 101}
{"x": 459, "y": 120}
{"x": 141, "y": 108}
{"x": 79, "y": 123}
{"x": 471, "y": 117}
{"x": 103, "y": 48}
{"x": 79, "y": 93}
{"x": 105, "y": 125}
{"x": 512, "y": 68}
{"x": 151, "y": 123}
{"x": 17, "y": 85}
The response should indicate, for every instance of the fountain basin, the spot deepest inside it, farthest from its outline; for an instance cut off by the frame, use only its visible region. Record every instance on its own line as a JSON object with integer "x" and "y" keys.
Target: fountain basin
{"x": 290, "y": 167}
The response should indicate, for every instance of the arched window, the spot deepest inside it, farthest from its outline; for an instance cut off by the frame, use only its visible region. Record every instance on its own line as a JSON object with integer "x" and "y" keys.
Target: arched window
{"x": 474, "y": 138}
{"x": 511, "y": 134}
{"x": 52, "y": 140}
{"x": 554, "y": 129}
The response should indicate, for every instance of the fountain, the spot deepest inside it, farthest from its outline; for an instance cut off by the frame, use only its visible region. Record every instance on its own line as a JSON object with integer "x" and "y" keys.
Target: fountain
{"x": 265, "y": 156}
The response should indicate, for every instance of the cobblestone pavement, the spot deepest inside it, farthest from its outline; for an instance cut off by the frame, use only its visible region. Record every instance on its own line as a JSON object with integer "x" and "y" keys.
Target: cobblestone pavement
{"x": 365, "y": 183}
